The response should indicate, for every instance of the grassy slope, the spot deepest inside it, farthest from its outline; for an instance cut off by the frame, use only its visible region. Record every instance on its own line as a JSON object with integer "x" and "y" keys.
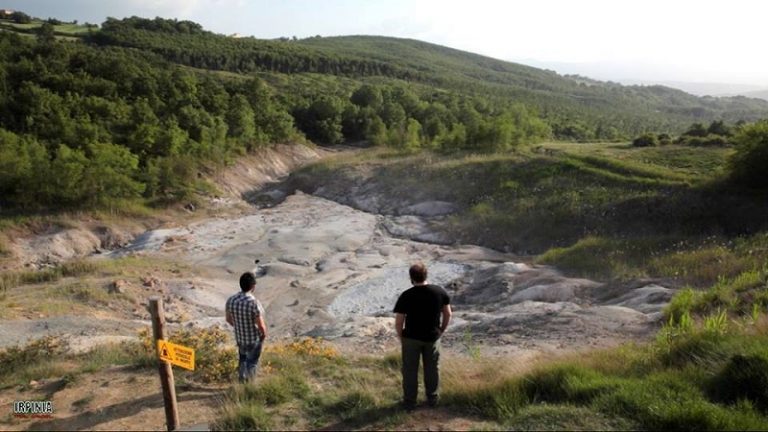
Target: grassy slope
{"x": 546, "y": 89}
{"x": 597, "y": 210}
{"x": 687, "y": 382}
{"x": 65, "y": 30}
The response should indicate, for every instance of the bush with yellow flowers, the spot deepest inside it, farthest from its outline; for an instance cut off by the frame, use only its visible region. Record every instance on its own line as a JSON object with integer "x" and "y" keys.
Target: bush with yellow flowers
{"x": 215, "y": 358}
{"x": 306, "y": 347}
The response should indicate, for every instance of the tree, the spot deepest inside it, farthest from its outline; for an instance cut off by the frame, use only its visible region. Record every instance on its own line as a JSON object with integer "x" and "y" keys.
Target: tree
{"x": 719, "y": 128}
{"x": 21, "y": 18}
{"x": 376, "y": 132}
{"x": 66, "y": 177}
{"x": 393, "y": 115}
{"x": 321, "y": 121}
{"x": 46, "y": 34}
{"x": 241, "y": 119}
{"x": 748, "y": 164}
{"x": 146, "y": 128}
{"x": 696, "y": 130}
{"x": 367, "y": 96}
{"x": 110, "y": 174}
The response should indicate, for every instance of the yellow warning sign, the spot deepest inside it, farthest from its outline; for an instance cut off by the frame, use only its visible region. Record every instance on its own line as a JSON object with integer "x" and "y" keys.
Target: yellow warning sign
{"x": 176, "y": 354}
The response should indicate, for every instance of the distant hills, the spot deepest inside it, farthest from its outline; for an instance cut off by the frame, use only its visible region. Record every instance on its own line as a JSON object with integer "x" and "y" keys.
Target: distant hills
{"x": 586, "y": 103}
{"x": 718, "y": 89}
{"x": 562, "y": 99}
{"x": 129, "y": 110}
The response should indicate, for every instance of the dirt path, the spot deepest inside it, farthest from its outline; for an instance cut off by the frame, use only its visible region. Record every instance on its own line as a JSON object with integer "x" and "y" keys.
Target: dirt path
{"x": 113, "y": 399}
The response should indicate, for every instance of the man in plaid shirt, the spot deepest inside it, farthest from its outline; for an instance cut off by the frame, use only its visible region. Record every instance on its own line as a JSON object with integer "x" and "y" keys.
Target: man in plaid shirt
{"x": 246, "y": 314}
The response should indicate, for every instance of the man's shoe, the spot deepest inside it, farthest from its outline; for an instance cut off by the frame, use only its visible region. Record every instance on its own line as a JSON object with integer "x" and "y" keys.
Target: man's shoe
{"x": 432, "y": 402}
{"x": 409, "y": 406}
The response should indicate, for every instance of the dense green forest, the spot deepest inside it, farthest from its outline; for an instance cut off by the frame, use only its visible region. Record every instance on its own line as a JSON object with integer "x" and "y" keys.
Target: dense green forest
{"x": 130, "y": 110}
{"x": 576, "y": 108}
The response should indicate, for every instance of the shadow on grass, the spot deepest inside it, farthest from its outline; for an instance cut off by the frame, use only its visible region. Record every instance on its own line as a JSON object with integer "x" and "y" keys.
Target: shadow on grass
{"x": 377, "y": 417}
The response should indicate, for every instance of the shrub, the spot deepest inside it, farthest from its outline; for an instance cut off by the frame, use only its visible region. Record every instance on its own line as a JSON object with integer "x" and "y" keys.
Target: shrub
{"x": 215, "y": 361}
{"x": 667, "y": 401}
{"x": 572, "y": 384}
{"x": 499, "y": 403}
{"x": 250, "y": 416}
{"x": 646, "y": 140}
{"x": 15, "y": 357}
{"x": 747, "y": 165}
{"x": 743, "y": 377}
{"x": 665, "y": 139}
{"x": 704, "y": 141}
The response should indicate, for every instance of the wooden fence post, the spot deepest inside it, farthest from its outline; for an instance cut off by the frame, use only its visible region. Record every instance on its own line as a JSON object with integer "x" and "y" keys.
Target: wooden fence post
{"x": 166, "y": 373}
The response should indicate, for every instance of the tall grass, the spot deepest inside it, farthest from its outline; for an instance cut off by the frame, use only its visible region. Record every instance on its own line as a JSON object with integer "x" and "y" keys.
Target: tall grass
{"x": 75, "y": 268}
{"x": 50, "y": 357}
{"x": 742, "y": 295}
{"x": 697, "y": 262}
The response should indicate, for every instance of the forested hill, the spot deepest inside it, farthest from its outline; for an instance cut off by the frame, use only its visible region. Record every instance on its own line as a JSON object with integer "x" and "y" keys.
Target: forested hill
{"x": 576, "y": 108}
{"x": 131, "y": 111}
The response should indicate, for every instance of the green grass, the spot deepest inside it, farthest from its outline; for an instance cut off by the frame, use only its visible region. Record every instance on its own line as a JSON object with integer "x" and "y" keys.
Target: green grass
{"x": 744, "y": 295}
{"x": 75, "y": 268}
{"x": 682, "y": 161}
{"x": 78, "y": 287}
{"x": 697, "y": 380}
{"x": 60, "y": 30}
{"x": 48, "y": 357}
{"x": 125, "y": 267}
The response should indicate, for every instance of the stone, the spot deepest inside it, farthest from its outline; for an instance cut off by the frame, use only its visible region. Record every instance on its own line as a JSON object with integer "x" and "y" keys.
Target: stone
{"x": 150, "y": 281}
{"x": 118, "y": 287}
{"x": 431, "y": 209}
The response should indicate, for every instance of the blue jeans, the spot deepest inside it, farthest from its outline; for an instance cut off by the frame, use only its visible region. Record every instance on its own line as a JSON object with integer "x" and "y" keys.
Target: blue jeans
{"x": 249, "y": 358}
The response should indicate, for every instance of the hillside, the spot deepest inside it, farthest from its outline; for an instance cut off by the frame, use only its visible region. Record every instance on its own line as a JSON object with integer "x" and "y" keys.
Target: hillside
{"x": 543, "y": 88}
{"x": 563, "y": 101}
{"x": 761, "y": 94}
{"x": 134, "y": 108}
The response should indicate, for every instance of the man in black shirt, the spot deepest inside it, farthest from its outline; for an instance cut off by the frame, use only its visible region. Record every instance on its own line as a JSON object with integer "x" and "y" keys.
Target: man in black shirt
{"x": 417, "y": 320}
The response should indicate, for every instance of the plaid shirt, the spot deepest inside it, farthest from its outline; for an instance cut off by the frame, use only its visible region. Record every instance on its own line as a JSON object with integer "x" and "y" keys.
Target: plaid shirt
{"x": 245, "y": 311}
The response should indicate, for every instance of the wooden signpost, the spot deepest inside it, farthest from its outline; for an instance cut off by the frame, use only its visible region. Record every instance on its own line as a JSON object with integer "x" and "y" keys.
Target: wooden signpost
{"x": 168, "y": 353}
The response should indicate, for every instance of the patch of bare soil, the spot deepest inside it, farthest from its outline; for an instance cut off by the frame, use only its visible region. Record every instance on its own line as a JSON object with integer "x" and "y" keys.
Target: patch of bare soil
{"x": 114, "y": 399}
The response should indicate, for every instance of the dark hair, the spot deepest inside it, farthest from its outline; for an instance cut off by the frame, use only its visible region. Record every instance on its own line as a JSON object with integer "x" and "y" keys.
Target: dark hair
{"x": 418, "y": 273}
{"x": 247, "y": 281}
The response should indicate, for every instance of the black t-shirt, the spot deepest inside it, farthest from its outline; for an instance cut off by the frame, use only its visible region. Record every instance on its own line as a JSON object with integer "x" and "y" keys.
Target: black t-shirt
{"x": 422, "y": 306}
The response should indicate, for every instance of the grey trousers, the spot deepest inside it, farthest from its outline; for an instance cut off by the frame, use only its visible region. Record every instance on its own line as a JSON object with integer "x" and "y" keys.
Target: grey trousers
{"x": 429, "y": 352}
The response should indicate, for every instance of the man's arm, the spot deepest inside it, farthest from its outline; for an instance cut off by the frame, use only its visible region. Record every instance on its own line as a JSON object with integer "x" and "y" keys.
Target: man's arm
{"x": 399, "y": 324}
{"x": 230, "y": 319}
{"x": 262, "y": 327}
{"x": 446, "y": 318}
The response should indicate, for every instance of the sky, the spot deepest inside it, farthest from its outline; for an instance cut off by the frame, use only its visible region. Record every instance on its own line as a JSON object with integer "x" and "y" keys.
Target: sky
{"x": 649, "y": 41}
